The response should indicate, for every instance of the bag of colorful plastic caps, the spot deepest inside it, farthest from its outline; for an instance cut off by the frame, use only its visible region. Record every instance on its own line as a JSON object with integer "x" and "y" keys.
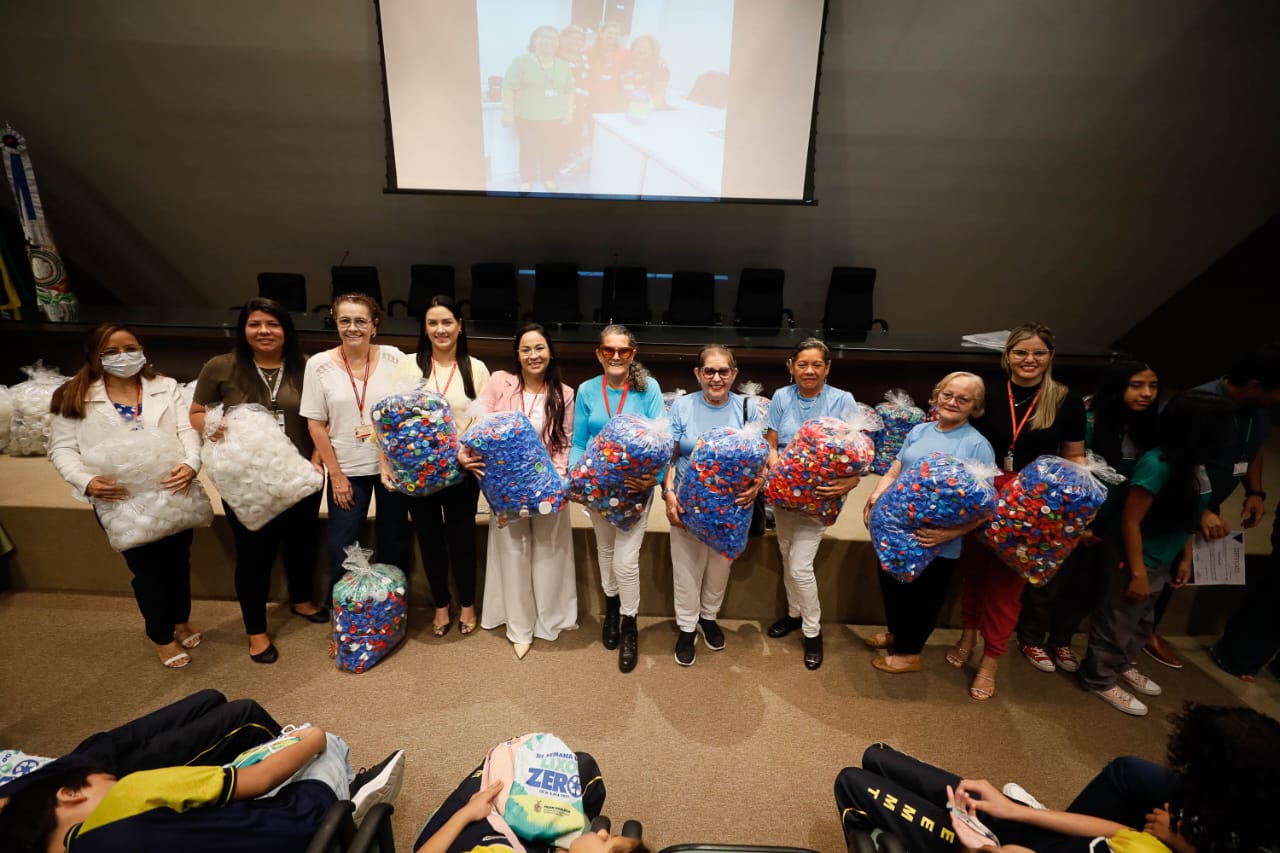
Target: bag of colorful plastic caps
{"x": 32, "y": 421}
{"x": 628, "y": 446}
{"x": 139, "y": 459}
{"x": 899, "y": 415}
{"x": 414, "y": 428}
{"x": 724, "y": 463}
{"x": 6, "y": 416}
{"x": 938, "y": 490}
{"x": 255, "y": 466}
{"x": 370, "y": 610}
{"x": 1042, "y": 512}
{"x": 519, "y": 479}
{"x": 754, "y": 392}
{"x": 822, "y": 450}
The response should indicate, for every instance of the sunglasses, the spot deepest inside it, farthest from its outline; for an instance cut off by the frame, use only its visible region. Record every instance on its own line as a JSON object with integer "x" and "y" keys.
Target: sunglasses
{"x": 713, "y": 372}
{"x": 617, "y": 352}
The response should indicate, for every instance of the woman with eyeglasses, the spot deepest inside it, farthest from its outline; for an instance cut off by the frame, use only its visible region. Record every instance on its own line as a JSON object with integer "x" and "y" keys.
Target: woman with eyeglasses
{"x": 808, "y": 397}
{"x": 265, "y": 368}
{"x": 339, "y": 388}
{"x": 116, "y": 385}
{"x": 911, "y": 609}
{"x": 1035, "y": 415}
{"x": 700, "y": 573}
{"x": 624, "y": 386}
{"x": 530, "y": 584}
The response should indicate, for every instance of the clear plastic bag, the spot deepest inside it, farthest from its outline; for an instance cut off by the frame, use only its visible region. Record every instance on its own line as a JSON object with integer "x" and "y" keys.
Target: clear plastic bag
{"x": 939, "y": 490}
{"x": 628, "y": 446}
{"x": 669, "y": 397}
{"x": 255, "y": 467}
{"x": 1043, "y": 511}
{"x": 32, "y": 421}
{"x": 822, "y": 450}
{"x": 414, "y": 427}
{"x": 754, "y": 392}
{"x": 370, "y": 610}
{"x": 724, "y": 463}
{"x": 6, "y": 417}
{"x": 899, "y": 414}
{"x": 519, "y": 479}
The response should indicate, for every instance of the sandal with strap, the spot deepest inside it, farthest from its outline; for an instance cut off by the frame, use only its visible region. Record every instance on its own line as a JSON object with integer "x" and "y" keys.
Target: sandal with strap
{"x": 191, "y": 640}
{"x": 958, "y": 655}
{"x": 178, "y": 661}
{"x": 982, "y": 694}
{"x": 883, "y": 640}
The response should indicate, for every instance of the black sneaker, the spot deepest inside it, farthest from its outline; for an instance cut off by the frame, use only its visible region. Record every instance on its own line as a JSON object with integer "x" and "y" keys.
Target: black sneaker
{"x": 378, "y": 784}
{"x": 711, "y": 634}
{"x": 685, "y": 655}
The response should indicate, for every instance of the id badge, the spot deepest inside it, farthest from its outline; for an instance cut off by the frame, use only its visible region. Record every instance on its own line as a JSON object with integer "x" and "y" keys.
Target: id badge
{"x": 280, "y": 419}
{"x": 363, "y": 432}
{"x": 551, "y": 93}
{"x": 1008, "y": 461}
{"x": 1240, "y": 469}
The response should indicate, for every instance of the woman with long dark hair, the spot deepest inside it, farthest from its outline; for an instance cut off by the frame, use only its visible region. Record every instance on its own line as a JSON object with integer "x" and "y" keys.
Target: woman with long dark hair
{"x": 265, "y": 368}
{"x": 530, "y": 585}
{"x": 116, "y": 384}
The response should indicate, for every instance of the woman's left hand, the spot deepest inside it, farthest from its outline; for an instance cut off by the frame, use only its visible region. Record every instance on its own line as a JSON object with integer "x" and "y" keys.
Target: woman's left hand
{"x": 933, "y": 537}
{"x": 837, "y": 488}
{"x": 179, "y": 479}
{"x": 747, "y": 498}
{"x": 1182, "y": 574}
{"x": 641, "y": 484}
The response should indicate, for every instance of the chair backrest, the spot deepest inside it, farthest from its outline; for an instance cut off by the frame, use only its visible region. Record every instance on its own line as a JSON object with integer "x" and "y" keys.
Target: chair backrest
{"x": 759, "y": 302}
{"x": 493, "y": 293}
{"x": 287, "y": 288}
{"x": 337, "y": 829}
{"x": 555, "y": 293}
{"x": 624, "y": 295}
{"x": 356, "y": 280}
{"x": 711, "y": 88}
{"x": 693, "y": 299}
{"x": 849, "y": 300}
{"x": 427, "y": 281}
{"x": 375, "y": 834}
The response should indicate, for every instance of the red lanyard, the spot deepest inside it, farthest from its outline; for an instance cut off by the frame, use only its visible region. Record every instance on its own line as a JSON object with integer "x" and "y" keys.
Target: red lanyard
{"x": 359, "y": 395}
{"x": 533, "y": 404}
{"x": 604, "y": 392}
{"x": 448, "y": 381}
{"x": 1013, "y": 416}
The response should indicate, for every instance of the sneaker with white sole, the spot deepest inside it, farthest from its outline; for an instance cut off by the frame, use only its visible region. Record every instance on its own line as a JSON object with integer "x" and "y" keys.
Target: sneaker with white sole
{"x": 1017, "y": 793}
{"x": 1065, "y": 658}
{"x": 378, "y": 784}
{"x": 1039, "y": 657}
{"x": 1139, "y": 683}
{"x": 1122, "y": 700}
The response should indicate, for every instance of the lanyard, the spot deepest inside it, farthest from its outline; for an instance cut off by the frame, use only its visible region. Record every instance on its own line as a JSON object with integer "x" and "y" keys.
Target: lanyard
{"x": 604, "y": 392}
{"x": 448, "y": 381}
{"x": 1013, "y": 418}
{"x": 533, "y": 404}
{"x": 359, "y": 395}
{"x": 273, "y": 390}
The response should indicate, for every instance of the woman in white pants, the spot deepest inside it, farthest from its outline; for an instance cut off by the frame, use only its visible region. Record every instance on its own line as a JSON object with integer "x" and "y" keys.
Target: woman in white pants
{"x": 530, "y": 585}
{"x": 700, "y": 572}
{"x": 799, "y": 535}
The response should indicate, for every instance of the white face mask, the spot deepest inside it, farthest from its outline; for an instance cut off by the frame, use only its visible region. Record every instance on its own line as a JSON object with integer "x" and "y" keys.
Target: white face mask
{"x": 124, "y": 364}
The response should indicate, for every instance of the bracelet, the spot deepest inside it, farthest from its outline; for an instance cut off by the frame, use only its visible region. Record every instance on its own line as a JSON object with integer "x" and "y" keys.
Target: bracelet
{"x": 1250, "y": 493}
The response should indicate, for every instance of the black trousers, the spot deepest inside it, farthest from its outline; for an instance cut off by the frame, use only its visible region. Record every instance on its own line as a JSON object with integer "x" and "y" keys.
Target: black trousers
{"x": 1052, "y": 613}
{"x": 475, "y": 835}
{"x": 1252, "y": 635}
{"x": 911, "y": 609}
{"x": 445, "y": 524}
{"x": 162, "y": 584}
{"x": 296, "y": 531}
{"x": 203, "y": 729}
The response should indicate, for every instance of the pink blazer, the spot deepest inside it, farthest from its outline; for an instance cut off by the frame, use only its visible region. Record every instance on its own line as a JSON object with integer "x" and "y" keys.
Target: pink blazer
{"x": 503, "y": 394}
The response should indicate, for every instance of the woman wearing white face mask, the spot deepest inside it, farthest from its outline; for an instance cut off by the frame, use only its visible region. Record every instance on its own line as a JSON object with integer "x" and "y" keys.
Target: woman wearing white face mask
{"x": 116, "y": 382}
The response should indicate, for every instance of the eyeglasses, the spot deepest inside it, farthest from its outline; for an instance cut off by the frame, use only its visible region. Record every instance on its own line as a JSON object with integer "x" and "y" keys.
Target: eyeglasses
{"x": 948, "y": 396}
{"x": 1024, "y": 354}
{"x": 617, "y": 352}
{"x": 358, "y": 322}
{"x": 119, "y": 350}
{"x": 713, "y": 372}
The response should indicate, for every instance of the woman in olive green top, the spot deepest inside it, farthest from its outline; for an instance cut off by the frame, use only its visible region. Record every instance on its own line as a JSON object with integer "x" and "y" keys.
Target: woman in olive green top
{"x": 537, "y": 100}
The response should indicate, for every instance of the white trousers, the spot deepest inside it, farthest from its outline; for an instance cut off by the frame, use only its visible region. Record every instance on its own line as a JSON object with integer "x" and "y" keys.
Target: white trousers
{"x": 619, "y": 554}
{"x": 530, "y": 584}
{"x": 798, "y": 538}
{"x": 700, "y": 576}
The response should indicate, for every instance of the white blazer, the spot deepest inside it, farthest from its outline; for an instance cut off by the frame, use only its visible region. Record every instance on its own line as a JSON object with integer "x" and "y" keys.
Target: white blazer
{"x": 162, "y": 408}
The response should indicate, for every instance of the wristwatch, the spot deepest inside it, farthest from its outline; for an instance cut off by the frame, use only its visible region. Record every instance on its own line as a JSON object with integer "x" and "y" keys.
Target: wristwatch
{"x": 1250, "y": 493}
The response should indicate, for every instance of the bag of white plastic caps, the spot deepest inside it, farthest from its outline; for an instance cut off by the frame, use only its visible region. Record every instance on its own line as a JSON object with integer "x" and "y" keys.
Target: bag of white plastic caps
{"x": 187, "y": 393}
{"x": 32, "y": 421}
{"x": 6, "y": 416}
{"x": 139, "y": 459}
{"x": 255, "y": 466}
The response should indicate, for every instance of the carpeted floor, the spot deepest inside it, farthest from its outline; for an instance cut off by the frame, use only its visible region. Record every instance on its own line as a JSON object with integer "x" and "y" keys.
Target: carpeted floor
{"x": 742, "y": 747}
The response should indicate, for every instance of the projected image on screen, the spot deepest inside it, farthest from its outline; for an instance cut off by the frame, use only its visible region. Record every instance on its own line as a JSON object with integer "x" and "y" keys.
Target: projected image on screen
{"x": 648, "y": 99}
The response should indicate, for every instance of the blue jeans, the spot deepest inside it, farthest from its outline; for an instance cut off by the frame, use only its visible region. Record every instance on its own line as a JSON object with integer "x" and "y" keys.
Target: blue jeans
{"x": 390, "y": 524}
{"x": 1126, "y": 790}
{"x": 332, "y": 767}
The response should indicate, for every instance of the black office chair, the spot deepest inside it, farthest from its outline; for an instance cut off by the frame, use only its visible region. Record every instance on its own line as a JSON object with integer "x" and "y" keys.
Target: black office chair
{"x": 287, "y": 288}
{"x": 493, "y": 293}
{"x": 353, "y": 280}
{"x": 425, "y": 282}
{"x": 693, "y": 300}
{"x": 555, "y": 294}
{"x": 759, "y": 304}
{"x": 624, "y": 296}
{"x": 337, "y": 829}
{"x": 375, "y": 834}
{"x": 849, "y": 302}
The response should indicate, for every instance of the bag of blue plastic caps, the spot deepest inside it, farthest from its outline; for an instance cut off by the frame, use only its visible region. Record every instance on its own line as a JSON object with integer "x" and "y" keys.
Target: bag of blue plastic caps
{"x": 899, "y": 414}
{"x": 370, "y": 610}
{"x": 628, "y": 446}
{"x": 939, "y": 490}
{"x": 519, "y": 479}
{"x": 754, "y": 392}
{"x": 724, "y": 463}
{"x": 414, "y": 427}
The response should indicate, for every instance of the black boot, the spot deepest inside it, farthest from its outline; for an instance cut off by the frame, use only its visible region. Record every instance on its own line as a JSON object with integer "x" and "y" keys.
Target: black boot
{"x": 609, "y": 630}
{"x": 813, "y": 652}
{"x": 629, "y": 649}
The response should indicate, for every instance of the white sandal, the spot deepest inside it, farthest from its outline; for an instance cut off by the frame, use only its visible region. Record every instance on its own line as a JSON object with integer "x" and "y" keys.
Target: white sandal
{"x": 178, "y": 661}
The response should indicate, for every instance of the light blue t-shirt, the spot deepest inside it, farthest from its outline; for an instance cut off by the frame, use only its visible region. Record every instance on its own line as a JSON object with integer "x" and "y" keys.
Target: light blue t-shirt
{"x": 590, "y": 414}
{"x": 788, "y": 410}
{"x": 691, "y": 416}
{"x": 963, "y": 442}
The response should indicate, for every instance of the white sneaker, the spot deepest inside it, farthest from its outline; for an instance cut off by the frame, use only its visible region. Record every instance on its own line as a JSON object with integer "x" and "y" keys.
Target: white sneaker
{"x": 1016, "y": 792}
{"x": 1122, "y": 700}
{"x": 1140, "y": 683}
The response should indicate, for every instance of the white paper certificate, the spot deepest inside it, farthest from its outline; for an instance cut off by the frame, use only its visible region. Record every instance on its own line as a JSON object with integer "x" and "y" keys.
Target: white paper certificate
{"x": 1218, "y": 562}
